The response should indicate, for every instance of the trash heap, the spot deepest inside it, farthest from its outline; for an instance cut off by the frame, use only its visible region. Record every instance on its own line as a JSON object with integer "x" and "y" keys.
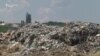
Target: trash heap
{"x": 74, "y": 39}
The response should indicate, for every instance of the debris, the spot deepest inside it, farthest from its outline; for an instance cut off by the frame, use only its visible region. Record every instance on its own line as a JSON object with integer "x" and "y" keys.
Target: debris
{"x": 76, "y": 38}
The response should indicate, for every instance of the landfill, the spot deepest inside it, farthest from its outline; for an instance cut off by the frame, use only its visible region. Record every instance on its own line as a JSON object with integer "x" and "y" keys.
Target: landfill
{"x": 73, "y": 39}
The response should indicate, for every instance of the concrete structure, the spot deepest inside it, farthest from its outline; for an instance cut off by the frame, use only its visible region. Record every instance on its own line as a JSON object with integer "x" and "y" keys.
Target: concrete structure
{"x": 22, "y": 23}
{"x": 28, "y": 18}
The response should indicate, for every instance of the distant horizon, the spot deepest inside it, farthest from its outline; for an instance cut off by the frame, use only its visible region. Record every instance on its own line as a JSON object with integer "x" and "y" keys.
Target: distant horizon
{"x": 55, "y": 21}
{"x": 13, "y": 11}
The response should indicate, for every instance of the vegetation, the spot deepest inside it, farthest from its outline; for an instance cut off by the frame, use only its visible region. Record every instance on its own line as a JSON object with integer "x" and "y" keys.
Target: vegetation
{"x": 4, "y": 28}
{"x": 52, "y": 23}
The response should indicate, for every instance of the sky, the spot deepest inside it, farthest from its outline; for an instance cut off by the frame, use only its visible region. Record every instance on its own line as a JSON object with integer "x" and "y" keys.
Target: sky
{"x": 50, "y": 10}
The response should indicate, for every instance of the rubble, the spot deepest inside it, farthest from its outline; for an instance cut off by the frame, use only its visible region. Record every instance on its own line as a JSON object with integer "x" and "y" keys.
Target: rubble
{"x": 74, "y": 39}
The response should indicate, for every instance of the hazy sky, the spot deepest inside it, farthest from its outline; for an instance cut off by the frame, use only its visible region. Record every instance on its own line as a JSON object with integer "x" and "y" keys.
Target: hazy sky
{"x": 45, "y": 10}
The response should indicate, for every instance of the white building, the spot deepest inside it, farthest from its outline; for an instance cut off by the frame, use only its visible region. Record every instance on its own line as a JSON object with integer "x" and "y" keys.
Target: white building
{"x": 2, "y": 23}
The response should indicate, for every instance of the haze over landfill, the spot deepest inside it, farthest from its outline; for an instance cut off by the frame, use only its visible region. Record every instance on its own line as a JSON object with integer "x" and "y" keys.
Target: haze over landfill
{"x": 50, "y": 10}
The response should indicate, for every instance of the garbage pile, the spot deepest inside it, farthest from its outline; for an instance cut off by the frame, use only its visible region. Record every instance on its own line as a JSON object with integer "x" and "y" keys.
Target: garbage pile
{"x": 74, "y": 39}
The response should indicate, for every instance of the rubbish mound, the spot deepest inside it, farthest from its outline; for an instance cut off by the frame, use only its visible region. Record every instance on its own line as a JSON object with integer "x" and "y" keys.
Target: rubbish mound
{"x": 74, "y": 39}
